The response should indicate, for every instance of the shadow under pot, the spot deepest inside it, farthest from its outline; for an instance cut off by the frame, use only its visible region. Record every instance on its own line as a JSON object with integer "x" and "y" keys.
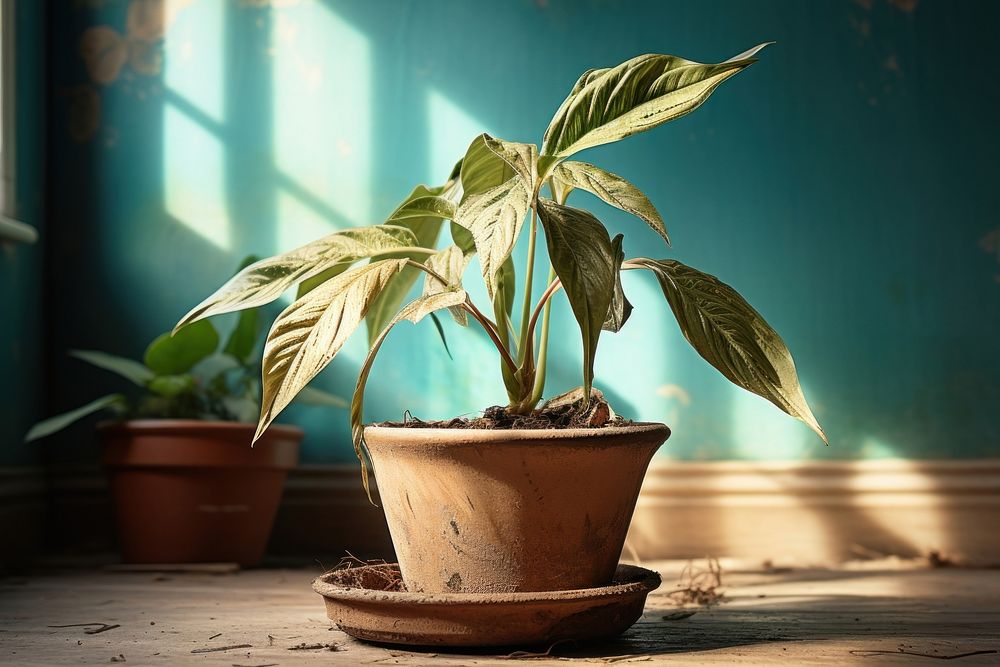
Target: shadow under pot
{"x": 188, "y": 491}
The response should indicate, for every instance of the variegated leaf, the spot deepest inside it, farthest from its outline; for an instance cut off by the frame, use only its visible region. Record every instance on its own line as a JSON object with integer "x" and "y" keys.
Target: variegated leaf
{"x": 728, "y": 333}
{"x": 620, "y": 309}
{"x": 641, "y": 93}
{"x": 264, "y": 281}
{"x": 309, "y": 333}
{"x": 413, "y": 311}
{"x": 450, "y": 264}
{"x": 490, "y": 162}
{"x": 611, "y": 188}
{"x": 495, "y": 218}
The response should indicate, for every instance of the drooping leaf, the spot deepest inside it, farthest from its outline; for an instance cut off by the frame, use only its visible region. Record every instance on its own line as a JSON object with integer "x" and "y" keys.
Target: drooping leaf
{"x": 171, "y": 354}
{"x": 611, "y": 188}
{"x": 307, "y": 335}
{"x": 266, "y": 280}
{"x": 47, "y": 427}
{"x": 317, "y": 397}
{"x": 583, "y": 258}
{"x": 728, "y": 333}
{"x": 414, "y": 312}
{"x": 450, "y": 264}
{"x": 440, "y": 330}
{"x": 620, "y": 309}
{"x": 610, "y": 104}
{"x": 495, "y": 218}
{"x": 490, "y": 162}
{"x": 127, "y": 368}
{"x": 426, "y": 230}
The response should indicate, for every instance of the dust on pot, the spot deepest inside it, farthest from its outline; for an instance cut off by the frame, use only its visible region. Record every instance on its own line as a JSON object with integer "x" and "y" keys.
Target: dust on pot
{"x": 189, "y": 491}
{"x": 498, "y": 511}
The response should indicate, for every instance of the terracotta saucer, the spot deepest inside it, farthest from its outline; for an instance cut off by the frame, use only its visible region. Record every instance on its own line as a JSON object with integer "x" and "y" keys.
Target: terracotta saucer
{"x": 358, "y": 602}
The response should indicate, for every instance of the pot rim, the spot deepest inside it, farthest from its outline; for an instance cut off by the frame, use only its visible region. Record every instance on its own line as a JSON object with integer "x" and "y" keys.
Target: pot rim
{"x": 642, "y": 581}
{"x": 399, "y": 435}
{"x": 196, "y": 425}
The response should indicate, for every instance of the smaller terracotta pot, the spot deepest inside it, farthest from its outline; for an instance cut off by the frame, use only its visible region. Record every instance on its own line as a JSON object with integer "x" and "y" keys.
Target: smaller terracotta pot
{"x": 190, "y": 491}
{"x": 501, "y": 511}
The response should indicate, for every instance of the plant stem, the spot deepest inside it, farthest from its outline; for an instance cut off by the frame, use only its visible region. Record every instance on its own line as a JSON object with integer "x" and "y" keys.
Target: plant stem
{"x": 492, "y": 332}
{"x": 528, "y": 271}
{"x": 543, "y": 344}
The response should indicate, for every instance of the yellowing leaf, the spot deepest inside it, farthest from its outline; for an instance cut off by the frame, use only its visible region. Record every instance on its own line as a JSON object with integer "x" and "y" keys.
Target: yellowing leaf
{"x": 495, "y": 218}
{"x": 611, "y": 188}
{"x": 610, "y": 104}
{"x": 729, "y": 334}
{"x": 309, "y": 333}
{"x": 490, "y": 162}
{"x": 414, "y": 311}
{"x": 264, "y": 281}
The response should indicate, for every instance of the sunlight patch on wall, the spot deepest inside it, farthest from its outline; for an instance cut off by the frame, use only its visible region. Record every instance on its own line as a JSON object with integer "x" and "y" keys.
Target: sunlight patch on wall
{"x": 193, "y": 53}
{"x": 762, "y": 431}
{"x": 322, "y": 107}
{"x": 299, "y": 224}
{"x": 193, "y": 168}
{"x": 451, "y": 131}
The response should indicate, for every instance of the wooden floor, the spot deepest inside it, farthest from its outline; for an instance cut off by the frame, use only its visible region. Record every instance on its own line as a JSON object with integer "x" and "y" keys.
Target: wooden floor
{"x": 877, "y": 614}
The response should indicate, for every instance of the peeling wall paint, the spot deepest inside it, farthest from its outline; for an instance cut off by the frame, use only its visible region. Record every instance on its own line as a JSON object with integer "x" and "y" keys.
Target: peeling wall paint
{"x": 845, "y": 185}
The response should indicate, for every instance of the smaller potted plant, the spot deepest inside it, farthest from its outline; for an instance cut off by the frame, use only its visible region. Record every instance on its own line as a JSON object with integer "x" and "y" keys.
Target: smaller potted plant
{"x": 186, "y": 484}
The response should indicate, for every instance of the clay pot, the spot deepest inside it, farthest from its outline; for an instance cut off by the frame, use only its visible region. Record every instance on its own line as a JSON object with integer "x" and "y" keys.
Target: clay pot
{"x": 499, "y": 511}
{"x": 189, "y": 491}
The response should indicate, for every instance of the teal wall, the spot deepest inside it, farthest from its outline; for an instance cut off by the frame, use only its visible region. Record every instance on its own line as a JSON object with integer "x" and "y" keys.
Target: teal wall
{"x": 846, "y": 185}
{"x": 21, "y": 276}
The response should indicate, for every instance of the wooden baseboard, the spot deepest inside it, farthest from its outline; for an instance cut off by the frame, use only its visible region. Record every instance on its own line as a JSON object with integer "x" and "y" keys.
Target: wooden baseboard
{"x": 797, "y": 513}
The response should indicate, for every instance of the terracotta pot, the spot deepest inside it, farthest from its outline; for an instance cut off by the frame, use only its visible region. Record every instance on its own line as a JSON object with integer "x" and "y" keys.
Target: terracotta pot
{"x": 483, "y": 511}
{"x": 189, "y": 491}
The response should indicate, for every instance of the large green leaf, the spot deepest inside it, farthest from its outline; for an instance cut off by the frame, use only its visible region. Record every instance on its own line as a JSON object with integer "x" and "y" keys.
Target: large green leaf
{"x": 611, "y": 188}
{"x": 606, "y": 105}
{"x": 620, "y": 309}
{"x": 414, "y": 311}
{"x": 583, "y": 258}
{"x": 172, "y": 354}
{"x": 307, "y": 335}
{"x": 495, "y": 218}
{"x": 728, "y": 333}
{"x": 266, "y": 280}
{"x": 49, "y": 426}
{"x": 127, "y": 368}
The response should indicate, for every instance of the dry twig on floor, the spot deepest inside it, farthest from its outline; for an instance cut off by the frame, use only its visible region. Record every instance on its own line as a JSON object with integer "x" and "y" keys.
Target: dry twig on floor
{"x": 103, "y": 627}
{"x": 699, "y": 585}
{"x": 220, "y": 648}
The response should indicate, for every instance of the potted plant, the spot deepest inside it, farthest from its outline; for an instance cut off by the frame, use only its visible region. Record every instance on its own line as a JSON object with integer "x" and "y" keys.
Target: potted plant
{"x": 531, "y": 496}
{"x": 186, "y": 485}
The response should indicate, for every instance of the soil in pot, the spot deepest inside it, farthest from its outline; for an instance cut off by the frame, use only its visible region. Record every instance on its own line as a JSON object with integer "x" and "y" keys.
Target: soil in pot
{"x": 190, "y": 491}
{"x": 509, "y": 510}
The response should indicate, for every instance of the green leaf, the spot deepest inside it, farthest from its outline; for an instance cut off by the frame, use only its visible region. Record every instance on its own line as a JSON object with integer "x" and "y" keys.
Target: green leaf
{"x": 170, "y": 386}
{"x": 47, "y": 427}
{"x": 450, "y": 264}
{"x": 309, "y": 284}
{"x": 127, "y": 368}
{"x": 583, "y": 258}
{"x": 173, "y": 354}
{"x": 241, "y": 408}
{"x": 729, "y": 334}
{"x": 309, "y": 333}
{"x": 606, "y": 105}
{"x": 317, "y": 397}
{"x": 423, "y": 205}
{"x": 243, "y": 338}
{"x": 266, "y": 280}
{"x": 414, "y": 312}
{"x": 611, "y": 188}
{"x": 495, "y": 218}
{"x": 620, "y": 309}
{"x": 440, "y": 330}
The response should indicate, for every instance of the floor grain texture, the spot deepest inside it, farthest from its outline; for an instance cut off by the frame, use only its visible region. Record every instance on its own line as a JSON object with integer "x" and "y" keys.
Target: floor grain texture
{"x": 873, "y": 614}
